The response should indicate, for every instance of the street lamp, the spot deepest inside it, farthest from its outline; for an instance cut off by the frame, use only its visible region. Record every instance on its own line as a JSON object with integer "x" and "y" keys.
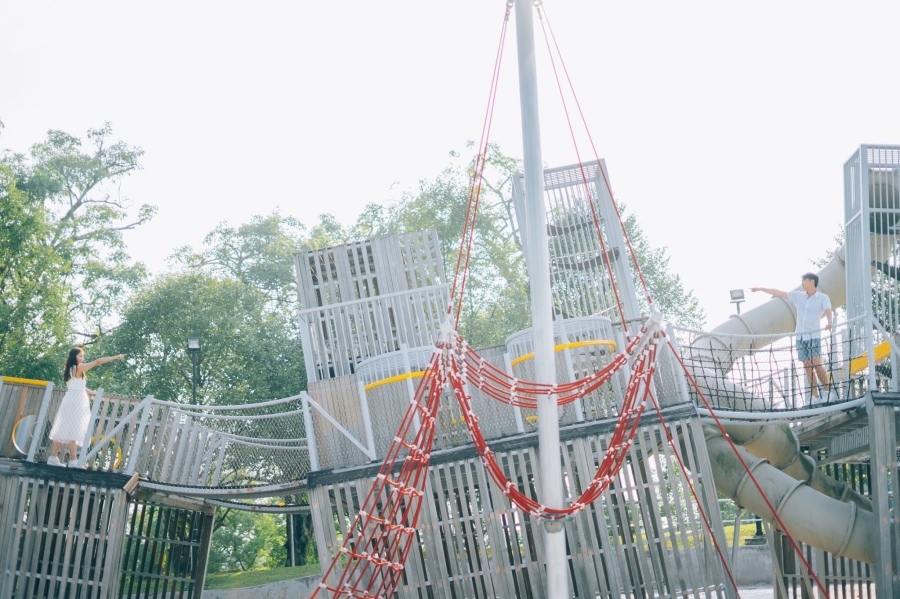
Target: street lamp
{"x": 737, "y": 297}
{"x": 193, "y": 350}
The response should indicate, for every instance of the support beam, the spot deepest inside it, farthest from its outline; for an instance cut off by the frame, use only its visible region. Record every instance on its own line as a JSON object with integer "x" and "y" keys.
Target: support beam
{"x": 883, "y": 448}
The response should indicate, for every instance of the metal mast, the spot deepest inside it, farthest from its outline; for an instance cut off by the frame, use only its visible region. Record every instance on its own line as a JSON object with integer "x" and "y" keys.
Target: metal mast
{"x": 541, "y": 302}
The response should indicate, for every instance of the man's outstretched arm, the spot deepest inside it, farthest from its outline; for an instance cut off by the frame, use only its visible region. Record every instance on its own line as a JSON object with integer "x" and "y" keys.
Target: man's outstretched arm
{"x": 772, "y": 292}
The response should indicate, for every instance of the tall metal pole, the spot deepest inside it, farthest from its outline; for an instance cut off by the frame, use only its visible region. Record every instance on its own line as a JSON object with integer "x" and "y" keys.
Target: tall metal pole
{"x": 194, "y": 379}
{"x": 541, "y": 302}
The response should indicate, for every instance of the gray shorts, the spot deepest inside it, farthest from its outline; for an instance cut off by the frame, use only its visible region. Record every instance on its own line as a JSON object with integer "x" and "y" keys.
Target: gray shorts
{"x": 807, "y": 349}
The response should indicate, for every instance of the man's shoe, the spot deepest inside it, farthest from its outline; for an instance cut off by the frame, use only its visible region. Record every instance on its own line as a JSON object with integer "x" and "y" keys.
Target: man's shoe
{"x": 53, "y": 461}
{"x": 74, "y": 464}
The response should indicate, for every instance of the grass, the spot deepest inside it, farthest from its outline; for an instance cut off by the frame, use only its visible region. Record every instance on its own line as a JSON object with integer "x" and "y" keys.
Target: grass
{"x": 747, "y": 530}
{"x": 253, "y": 578}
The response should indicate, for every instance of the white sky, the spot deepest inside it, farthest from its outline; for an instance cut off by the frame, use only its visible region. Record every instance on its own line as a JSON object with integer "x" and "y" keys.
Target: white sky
{"x": 725, "y": 126}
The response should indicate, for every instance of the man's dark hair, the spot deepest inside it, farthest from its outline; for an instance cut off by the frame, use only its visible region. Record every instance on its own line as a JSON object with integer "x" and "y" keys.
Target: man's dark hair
{"x": 812, "y": 277}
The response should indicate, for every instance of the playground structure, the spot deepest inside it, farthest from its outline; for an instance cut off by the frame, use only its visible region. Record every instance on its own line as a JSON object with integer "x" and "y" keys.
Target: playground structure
{"x": 748, "y": 371}
{"x": 137, "y": 523}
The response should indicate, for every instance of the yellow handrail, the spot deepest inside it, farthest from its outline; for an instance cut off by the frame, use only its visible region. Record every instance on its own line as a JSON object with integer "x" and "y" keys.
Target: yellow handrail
{"x": 861, "y": 362}
{"x": 411, "y": 375}
{"x": 394, "y": 379}
{"x": 17, "y": 381}
{"x": 611, "y": 344}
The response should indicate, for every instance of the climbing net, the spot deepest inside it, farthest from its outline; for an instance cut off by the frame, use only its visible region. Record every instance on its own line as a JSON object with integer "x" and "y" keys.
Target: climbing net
{"x": 374, "y": 551}
{"x": 384, "y": 531}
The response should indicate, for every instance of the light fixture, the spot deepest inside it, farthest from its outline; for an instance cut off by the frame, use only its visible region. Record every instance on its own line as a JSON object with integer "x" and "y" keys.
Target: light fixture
{"x": 737, "y": 295}
{"x": 193, "y": 345}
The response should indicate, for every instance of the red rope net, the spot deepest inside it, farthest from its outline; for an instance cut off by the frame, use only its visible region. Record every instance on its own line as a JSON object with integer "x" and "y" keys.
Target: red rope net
{"x": 378, "y": 542}
{"x": 373, "y": 552}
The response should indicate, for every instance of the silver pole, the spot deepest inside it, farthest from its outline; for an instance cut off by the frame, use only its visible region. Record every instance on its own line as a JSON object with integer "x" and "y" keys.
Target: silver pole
{"x": 541, "y": 302}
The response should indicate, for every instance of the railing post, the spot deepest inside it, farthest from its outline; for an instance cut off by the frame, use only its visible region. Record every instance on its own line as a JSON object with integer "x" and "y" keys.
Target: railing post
{"x": 517, "y": 411}
{"x": 870, "y": 352}
{"x": 135, "y": 450}
{"x": 676, "y": 369}
{"x": 367, "y": 419}
{"x": 411, "y": 389}
{"x": 570, "y": 370}
{"x": 38, "y": 436}
{"x": 91, "y": 429}
{"x": 310, "y": 436}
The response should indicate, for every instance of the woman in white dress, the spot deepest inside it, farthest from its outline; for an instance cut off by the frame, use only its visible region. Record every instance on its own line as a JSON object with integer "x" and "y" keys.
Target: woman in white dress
{"x": 74, "y": 414}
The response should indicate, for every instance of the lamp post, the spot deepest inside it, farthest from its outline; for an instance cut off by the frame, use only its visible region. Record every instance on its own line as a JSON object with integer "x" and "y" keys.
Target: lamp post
{"x": 737, "y": 298}
{"x": 193, "y": 350}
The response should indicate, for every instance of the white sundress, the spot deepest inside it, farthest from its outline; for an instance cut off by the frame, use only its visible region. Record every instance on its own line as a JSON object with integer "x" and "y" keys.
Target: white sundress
{"x": 74, "y": 414}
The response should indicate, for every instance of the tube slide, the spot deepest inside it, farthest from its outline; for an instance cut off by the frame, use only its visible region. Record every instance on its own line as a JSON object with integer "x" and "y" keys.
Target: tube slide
{"x": 839, "y": 528}
{"x": 817, "y": 509}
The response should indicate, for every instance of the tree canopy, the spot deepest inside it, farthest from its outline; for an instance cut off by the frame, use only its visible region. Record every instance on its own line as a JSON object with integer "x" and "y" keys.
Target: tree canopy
{"x": 63, "y": 262}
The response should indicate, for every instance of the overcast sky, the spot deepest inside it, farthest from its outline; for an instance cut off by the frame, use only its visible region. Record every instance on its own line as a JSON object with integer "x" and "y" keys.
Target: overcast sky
{"x": 725, "y": 126}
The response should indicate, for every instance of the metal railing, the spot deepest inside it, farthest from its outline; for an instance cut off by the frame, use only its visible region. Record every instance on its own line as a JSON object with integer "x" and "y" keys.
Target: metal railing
{"x": 764, "y": 373}
{"x": 242, "y": 448}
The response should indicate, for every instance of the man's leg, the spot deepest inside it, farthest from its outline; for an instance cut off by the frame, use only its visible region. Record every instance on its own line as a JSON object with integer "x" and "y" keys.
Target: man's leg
{"x": 811, "y": 377}
{"x": 820, "y": 371}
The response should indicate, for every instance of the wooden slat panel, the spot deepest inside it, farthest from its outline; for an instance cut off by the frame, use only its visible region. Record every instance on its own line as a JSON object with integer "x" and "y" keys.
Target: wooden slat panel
{"x": 642, "y": 537}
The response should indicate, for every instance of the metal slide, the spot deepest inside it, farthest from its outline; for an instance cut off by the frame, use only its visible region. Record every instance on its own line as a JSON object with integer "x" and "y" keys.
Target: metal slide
{"x": 817, "y": 509}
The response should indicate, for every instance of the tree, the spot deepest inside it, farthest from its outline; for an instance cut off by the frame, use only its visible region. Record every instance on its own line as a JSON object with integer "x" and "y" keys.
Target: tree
{"x": 496, "y": 298}
{"x": 248, "y": 541}
{"x": 248, "y": 353}
{"x": 63, "y": 217}
{"x": 259, "y": 254}
{"x": 33, "y": 316}
{"x": 304, "y": 544}
{"x": 496, "y": 301}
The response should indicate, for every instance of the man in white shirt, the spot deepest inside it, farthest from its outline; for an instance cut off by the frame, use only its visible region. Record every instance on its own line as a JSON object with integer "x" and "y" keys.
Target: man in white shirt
{"x": 811, "y": 304}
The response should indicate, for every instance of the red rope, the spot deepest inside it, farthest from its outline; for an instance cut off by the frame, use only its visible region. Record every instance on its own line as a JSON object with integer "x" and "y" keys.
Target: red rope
{"x": 706, "y": 523}
{"x": 740, "y": 458}
{"x": 478, "y": 175}
{"x": 587, "y": 188}
{"x": 637, "y": 266}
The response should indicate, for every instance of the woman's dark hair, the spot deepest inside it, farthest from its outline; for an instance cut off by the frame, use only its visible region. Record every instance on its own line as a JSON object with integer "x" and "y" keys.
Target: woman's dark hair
{"x": 71, "y": 361}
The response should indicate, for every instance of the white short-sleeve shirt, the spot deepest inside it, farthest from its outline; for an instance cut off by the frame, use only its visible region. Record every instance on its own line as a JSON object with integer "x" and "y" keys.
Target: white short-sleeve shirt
{"x": 810, "y": 309}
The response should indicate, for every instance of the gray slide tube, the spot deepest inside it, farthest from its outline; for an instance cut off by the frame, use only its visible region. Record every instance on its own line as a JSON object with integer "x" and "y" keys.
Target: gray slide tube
{"x": 810, "y": 517}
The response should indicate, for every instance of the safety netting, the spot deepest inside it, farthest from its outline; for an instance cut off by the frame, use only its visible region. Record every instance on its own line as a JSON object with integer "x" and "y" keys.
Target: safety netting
{"x": 208, "y": 450}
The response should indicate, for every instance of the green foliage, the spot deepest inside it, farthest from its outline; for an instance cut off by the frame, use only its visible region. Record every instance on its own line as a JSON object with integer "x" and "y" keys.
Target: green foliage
{"x": 255, "y": 578}
{"x": 259, "y": 254}
{"x": 33, "y": 315}
{"x": 248, "y": 352}
{"x": 248, "y": 541}
{"x": 304, "y": 543}
{"x": 496, "y": 301}
{"x": 63, "y": 265}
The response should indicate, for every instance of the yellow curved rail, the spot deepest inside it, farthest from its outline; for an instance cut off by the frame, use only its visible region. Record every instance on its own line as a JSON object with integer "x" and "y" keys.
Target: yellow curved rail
{"x": 17, "y": 381}
{"x": 882, "y": 351}
{"x": 395, "y": 379}
{"x": 574, "y": 344}
{"x": 118, "y": 461}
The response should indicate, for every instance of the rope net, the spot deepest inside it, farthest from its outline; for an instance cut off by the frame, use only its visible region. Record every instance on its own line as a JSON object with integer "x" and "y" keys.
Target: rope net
{"x": 376, "y": 546}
